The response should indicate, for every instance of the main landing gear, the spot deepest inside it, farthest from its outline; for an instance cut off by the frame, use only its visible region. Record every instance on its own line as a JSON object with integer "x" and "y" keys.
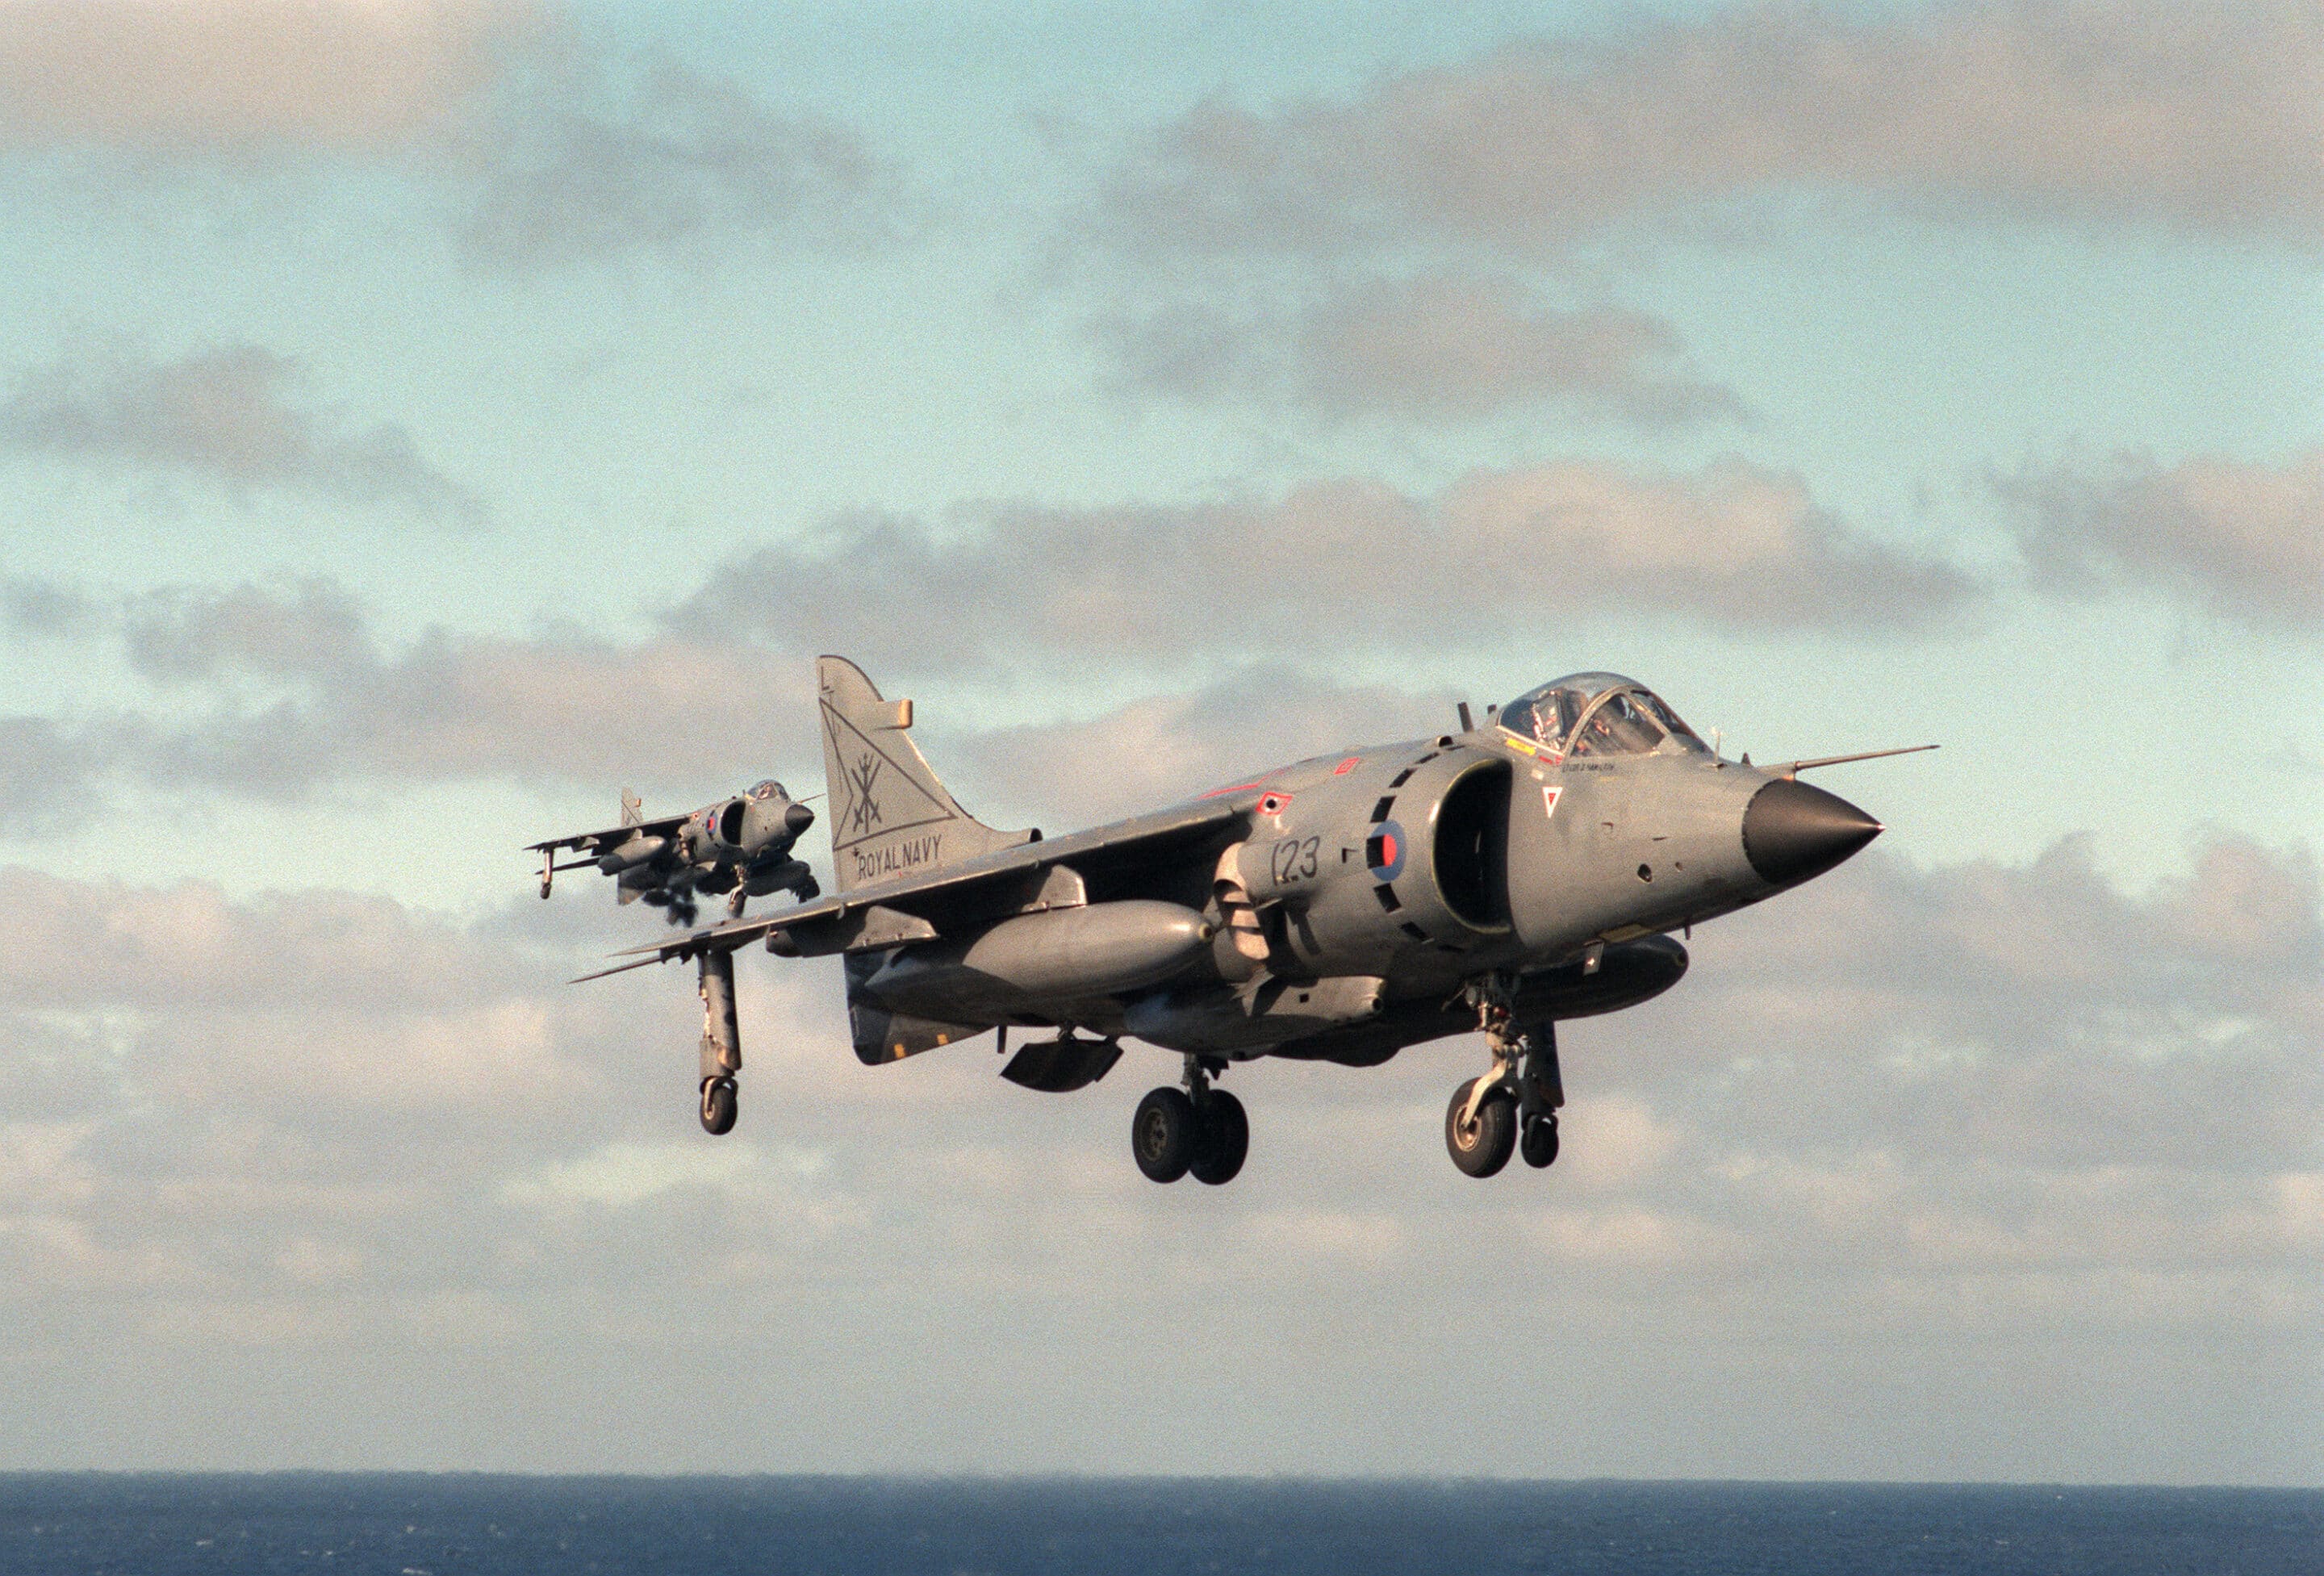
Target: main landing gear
{"x": 1196, "y": 1131}
{"x": 1513, "y": 1107}
{"x": 721, "y": 1043}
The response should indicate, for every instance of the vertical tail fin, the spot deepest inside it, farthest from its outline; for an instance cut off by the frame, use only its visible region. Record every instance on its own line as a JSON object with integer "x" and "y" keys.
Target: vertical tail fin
{"x": 626, "y": 888}
{"x": 889, "y": 815}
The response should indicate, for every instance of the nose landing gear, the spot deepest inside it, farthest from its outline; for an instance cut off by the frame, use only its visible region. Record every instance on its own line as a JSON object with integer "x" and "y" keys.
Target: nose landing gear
{"x": 1196, "y": 1131}
{"x": 1513, "y": 1107}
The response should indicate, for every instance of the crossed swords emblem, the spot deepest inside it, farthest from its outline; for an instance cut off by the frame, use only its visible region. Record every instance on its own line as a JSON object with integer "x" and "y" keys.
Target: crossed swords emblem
{"x": 864, "y": 813}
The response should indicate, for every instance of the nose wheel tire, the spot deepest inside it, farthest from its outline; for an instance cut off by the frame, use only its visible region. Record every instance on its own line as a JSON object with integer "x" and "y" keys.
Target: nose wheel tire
{"x": 1163, "y": 1135}
{"x": 1539, "y": 1145}
{"x": 1222, "y": 1139}
{"x": 1483, "y": 1146}
{"x": 718, "y": 1106}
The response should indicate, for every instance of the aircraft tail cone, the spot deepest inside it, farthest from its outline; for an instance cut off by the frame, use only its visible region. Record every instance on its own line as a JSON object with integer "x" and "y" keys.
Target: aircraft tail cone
{"x": 1792, "y": 831}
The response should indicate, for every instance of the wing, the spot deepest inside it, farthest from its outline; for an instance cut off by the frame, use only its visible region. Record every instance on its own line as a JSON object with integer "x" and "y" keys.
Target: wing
{"x": 1177, "y": 845}
{"x": 610, "y": 837}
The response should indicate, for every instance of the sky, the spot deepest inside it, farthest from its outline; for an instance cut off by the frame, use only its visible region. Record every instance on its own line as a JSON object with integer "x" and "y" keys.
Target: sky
{"x": 419, "y": 419}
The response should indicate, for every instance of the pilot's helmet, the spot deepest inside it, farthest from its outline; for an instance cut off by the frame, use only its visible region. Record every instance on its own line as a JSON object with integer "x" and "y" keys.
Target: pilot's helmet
{"x": 768, "y": 789}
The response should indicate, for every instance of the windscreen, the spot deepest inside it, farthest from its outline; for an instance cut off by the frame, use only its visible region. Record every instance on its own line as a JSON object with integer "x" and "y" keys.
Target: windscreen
{"x": 1547, "y": 715}
{"x": 1620, "y": 725}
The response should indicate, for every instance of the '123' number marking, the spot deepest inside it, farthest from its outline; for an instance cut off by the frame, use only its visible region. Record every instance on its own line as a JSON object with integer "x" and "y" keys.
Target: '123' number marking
{"x": 1294, "y": 859}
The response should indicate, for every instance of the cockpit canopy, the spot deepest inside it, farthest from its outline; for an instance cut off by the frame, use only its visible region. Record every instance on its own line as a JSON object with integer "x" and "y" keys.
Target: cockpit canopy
{"x": 768, "y": 789}
{"x": 1598, "y": 714}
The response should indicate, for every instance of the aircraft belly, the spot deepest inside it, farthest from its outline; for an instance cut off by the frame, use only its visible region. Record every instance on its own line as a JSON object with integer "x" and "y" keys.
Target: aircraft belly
{"x": 1261, "y": 1014}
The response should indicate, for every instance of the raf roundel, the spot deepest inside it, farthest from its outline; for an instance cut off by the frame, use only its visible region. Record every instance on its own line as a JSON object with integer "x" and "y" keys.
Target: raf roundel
{"x": 1384, "y": 851}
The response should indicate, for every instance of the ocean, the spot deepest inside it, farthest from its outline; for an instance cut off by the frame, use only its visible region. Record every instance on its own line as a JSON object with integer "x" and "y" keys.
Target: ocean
{"x": 425, "y": 1524}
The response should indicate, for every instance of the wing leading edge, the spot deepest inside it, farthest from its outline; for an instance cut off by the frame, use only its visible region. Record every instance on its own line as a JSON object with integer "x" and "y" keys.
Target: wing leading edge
{"x": 911, "y": 907}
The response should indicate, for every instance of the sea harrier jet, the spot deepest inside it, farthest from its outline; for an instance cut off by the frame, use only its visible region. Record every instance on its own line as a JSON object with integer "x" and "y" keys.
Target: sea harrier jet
{"x": 1339, "y": 908}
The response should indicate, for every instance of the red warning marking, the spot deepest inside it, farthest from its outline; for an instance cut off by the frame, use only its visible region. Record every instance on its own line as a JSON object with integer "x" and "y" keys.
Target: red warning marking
{"x": 1347, "y": 766}
{"x": 1549, "y": 796}
{"x": 1273, "y": 803}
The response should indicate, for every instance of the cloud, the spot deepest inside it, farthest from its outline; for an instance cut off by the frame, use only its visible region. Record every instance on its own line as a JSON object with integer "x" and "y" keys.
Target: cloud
{"x": 226, "y": 412}
{"x": 455, "y": 707}
{"x": 2245, "y": 540}
{"x": 2203, "y": 119}
{"x": 1923, "y": 1127}
{"x": 540, "y": 142}
{"x": 178, "y": 634}
{"x": 48, "y": 767}
{"x": 276, "y": 691}
{"x": 1334, "y": 564}
{"x": 41, "y": 608}
{"x": 1433, "y": 347}
{"x": 1161, "y": 749}
{"x": 162, "y": 74}
{"x": 2033, "y": 1016}
{"x": 664, "y": 159}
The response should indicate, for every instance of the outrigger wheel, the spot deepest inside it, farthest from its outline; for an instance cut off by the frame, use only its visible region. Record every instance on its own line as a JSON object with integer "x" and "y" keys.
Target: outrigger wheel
{"x": 717, "y": 1105}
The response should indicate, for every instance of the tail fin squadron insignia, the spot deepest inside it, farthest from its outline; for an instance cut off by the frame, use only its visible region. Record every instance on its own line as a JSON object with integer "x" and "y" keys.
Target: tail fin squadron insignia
{"x": 890, "y": 816}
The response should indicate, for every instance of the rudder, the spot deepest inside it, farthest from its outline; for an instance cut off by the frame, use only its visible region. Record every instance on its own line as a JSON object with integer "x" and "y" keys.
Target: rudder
{"x": 889, "y": 815}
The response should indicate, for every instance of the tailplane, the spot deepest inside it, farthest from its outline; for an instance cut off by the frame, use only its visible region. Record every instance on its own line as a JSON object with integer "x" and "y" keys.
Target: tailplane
{"x": 889, "y": 815}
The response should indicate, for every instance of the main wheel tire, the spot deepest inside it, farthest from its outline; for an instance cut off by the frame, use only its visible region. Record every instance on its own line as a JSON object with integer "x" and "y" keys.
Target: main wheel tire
{"x": 1223, "y": 1139}
{"x": 1162, "y": 1134}
{"x": 718, "y": 1105}
{"x": 1481, "y": 1147}
{"x": 1539, "y": 1145}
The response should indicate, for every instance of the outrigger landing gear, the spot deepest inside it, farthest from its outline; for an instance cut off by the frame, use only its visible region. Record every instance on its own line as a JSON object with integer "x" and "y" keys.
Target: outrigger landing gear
{"x": 721, "y": 1043}
{"x": 1196, "y": 1129}
{"x": 1515, "y": 1105}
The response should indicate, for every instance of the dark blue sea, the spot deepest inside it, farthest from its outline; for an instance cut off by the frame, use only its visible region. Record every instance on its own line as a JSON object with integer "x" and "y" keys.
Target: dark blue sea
{"x": 437, "y": 1526}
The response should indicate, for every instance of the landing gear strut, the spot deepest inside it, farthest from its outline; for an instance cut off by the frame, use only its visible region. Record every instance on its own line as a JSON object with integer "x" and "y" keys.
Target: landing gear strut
{"x": 1197, "y": 1129}
{"x": 721, "y": 1043}
{"x": 1513, "y": 1107}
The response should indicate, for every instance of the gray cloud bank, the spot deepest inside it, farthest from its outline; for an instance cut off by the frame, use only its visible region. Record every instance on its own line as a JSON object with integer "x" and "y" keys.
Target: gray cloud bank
{"x": 1433, "y": 347}
{"x": 230, "y": 73}
{"x": 2006, "y": 1154}
{"x": 590, "y": 162}
{"x": 1350, "y": 562}
{"x": 2204, "y": 117}
{"x": 2245, "y": 540}
{"x": 229, "y": 414}
{"x": 276, "y": 691}
{"x": 546, "y": 146}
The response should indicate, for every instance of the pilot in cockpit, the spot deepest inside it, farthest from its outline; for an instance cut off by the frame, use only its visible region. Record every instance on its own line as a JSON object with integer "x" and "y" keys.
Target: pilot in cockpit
{"x": 1624, "y": 719}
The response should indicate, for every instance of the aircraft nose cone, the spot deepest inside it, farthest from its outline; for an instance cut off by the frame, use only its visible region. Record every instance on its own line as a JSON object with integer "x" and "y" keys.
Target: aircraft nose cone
{"x": 798, "y": 819}
{"x": 1792, "y": 831}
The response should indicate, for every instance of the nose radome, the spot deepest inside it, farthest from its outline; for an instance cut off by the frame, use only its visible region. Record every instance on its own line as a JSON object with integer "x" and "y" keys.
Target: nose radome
{"x": 1792, "y": 831}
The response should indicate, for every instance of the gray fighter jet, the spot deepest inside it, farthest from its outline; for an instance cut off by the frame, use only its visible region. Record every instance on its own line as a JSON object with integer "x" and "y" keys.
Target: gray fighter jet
{"x": 1496, "y": 878}
{"x": 740, "y": 847}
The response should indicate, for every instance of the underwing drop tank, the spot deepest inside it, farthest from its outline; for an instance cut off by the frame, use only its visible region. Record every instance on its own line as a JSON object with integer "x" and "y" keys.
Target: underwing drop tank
{"x": 1066, "y": 954}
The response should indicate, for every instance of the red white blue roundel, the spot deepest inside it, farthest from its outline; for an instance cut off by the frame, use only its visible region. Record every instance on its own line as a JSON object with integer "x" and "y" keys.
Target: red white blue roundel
{"x": 1384, "y": 851}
